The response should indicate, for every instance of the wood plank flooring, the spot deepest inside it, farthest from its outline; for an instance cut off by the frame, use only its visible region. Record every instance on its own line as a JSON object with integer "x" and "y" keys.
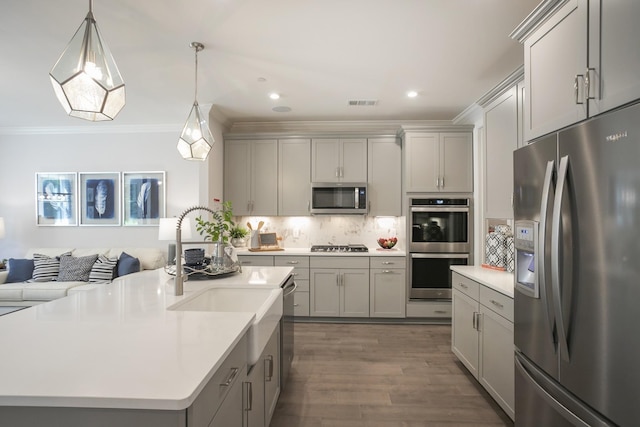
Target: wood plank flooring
{"x": 379, "y": 375}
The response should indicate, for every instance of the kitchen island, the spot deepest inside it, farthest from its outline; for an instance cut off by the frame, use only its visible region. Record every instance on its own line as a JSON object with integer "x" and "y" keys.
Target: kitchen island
{"x": 119, "y": 348}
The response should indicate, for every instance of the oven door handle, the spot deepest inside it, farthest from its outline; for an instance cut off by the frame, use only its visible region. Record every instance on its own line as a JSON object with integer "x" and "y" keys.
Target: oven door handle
{"x": 440, "y": 255}
{"x": 439, "y": 209}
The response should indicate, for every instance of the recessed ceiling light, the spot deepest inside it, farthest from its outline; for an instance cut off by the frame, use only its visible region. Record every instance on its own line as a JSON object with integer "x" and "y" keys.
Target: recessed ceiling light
{"x": 412, "y": 94}
{"x": 274, "y": 95}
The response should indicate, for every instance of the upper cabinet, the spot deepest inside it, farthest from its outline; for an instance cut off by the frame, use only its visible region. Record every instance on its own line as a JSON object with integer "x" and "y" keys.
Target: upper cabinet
{"x": 251, "y": 176}
{"x": 580, "y": 59}
{"x": 294, "y": 175}
{"x": 438, "y": 162}
{"x": 339, "y": 160}
{"x": 385, "y": 177}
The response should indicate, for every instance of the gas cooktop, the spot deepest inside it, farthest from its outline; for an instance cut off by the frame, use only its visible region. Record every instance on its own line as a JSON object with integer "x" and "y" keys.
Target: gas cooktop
{"x": 340, "y": 248}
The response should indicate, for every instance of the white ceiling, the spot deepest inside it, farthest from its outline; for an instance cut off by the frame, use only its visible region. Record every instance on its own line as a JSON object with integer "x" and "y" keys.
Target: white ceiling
{"x": 317, "y": 53}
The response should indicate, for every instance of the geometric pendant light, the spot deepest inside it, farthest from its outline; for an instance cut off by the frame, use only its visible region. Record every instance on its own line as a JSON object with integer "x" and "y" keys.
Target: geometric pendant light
{"x": 195, "y": 140}
{"x": 86, "y": 79}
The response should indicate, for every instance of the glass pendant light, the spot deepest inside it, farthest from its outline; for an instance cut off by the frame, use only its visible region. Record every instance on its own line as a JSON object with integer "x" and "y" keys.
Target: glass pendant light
{"x": 86, "y": 79}
{"x": 196, "y": 140}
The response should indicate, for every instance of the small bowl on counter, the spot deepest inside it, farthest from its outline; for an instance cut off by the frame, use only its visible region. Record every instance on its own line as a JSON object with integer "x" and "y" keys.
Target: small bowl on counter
{"x": 387, "y": 242}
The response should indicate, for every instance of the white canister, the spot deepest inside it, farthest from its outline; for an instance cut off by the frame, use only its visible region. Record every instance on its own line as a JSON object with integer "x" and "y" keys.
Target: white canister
{"x": 254, "y": 241}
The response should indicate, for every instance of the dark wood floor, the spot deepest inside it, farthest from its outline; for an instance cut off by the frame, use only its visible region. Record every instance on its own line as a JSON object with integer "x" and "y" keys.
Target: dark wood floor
{"x": 373, "y": 375}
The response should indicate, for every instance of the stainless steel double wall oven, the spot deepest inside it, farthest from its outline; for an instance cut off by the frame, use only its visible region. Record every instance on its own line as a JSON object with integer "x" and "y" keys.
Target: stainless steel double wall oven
{"x": 440, "y": 235}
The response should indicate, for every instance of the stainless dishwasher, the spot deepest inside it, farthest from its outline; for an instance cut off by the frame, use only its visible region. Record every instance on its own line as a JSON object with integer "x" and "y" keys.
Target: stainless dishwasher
{"x": 286, "y": 330}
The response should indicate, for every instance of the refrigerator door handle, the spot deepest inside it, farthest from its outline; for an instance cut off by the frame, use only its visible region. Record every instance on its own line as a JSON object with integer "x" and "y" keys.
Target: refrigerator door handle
{"x": 556, "y": 242}
{"x": 542, "y": 239}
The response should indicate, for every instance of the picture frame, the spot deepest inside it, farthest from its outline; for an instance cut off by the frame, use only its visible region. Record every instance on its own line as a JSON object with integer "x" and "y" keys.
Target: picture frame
{"x": 100, "y": 198}
{"x": 56, "y": 199}
{"x": 143, "y": 198}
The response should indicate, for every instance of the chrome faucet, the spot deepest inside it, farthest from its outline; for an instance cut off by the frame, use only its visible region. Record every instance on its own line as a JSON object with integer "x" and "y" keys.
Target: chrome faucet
{"x": 179, "y": 280}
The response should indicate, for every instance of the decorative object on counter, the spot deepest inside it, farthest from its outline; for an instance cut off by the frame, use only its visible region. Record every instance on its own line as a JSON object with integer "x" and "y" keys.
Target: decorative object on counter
{"x": 511, "y": 254}
{"x": 238, "y": 236}
{"x": 267, "y": 242}
{"x": 194, "y": 256}
{"x": 387, "y": 242}
{"x": 219, "y": 228}
{"x": 496, "y": 247}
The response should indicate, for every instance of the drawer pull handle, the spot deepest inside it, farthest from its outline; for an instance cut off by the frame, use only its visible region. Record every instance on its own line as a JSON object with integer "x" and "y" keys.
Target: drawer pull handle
{"x": 387, "y": 271}
{"x": 463, "y": 286}
{"x": 294, "y": 274}
{"x": 230, "y": 378}
{"x": 387, "y": 262}
{"x": 496, "y": 303}
{"x": 296, "y": 305}
{"x": 293, "y": 262}
{"x": 440, "y": 312}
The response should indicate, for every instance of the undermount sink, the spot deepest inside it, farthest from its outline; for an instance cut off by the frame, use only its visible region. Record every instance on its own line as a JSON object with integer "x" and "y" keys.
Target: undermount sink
{"x": 265, "y": 303}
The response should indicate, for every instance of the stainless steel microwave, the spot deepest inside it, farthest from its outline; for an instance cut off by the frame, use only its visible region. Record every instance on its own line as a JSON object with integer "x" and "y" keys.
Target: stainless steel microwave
{"x": 338, "y": 198}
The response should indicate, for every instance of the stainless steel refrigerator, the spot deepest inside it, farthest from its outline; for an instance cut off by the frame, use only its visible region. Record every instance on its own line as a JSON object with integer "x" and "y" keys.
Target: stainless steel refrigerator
{"x": 577, "y": 299}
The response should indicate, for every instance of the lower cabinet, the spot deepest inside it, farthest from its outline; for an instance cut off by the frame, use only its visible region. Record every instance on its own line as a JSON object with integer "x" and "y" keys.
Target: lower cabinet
{"x": 388, "y": 287}
{"x": 300, "y": 266}
{"x": 482, "y": 338}
{"x": 338, "y": 291}
{"x": 262, "y": 385}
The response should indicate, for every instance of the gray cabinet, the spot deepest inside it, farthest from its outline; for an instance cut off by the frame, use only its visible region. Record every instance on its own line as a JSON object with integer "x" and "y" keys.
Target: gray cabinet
{"x": 384, "y": 177}
{"x": 300, "y": 266}
{"x": 257, "y": 260}
{"x": 262, "y": 386}
{"x": 438, "y": 162}
{"x": 388, "y": 287}
{"x": 339, "y": 160}
{"x": 579, "y": 62}
{"x": 339, "y": 287}
{"x": 294, "y": 177}
{"x": 251, "y": 176}
{"x": 482, "y": 337}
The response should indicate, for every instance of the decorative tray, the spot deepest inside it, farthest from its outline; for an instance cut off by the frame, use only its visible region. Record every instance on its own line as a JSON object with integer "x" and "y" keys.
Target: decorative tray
{"x": 204, "y": 272}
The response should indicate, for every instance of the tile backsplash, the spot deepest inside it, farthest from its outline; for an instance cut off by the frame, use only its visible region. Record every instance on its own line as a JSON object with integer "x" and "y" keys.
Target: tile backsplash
{"x": 302, "y": 232}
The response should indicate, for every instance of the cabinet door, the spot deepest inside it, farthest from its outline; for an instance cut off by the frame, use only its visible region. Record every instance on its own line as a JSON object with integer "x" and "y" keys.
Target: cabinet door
{"x": 237, "y": 178}
{"x": 325, "y": 159}
{"x": 614, "y": 56}
{"x": 294, "y": 177}
{"x": 324, "y": 293}
{"x": 353, "y": 160}
{"x": 254, "y": 396}
{"x": 388, "y": 293}
{"x": 354, "y": 293}
{"x": 555, "y": 58}
{"x": 264, "y": 178}
{"x": 271, "y": 375}
{"x": 230, "y": 413}
{"x": 501, "y": 138}
{"x": 456, "y": 167}
{"x": 497, "y": 369}
{"x": 464, "y": 335}
{"x": 384, "y": 177}
{"x": 422, "y": 162}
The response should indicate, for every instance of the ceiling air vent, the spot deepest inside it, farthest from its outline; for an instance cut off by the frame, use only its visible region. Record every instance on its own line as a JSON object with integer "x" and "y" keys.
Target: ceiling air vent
{"x": 362, "y": 102}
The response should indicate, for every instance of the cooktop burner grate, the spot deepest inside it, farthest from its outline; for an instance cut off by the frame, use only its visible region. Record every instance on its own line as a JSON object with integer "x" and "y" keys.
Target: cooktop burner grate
{"x": 340, "y": 248}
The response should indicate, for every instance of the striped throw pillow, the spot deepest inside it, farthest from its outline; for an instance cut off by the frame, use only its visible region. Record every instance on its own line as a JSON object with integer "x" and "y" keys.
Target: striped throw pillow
{"x": 45, "y": 268}
{"x": 76, "y": 269}
{"x": 102, "y": 270}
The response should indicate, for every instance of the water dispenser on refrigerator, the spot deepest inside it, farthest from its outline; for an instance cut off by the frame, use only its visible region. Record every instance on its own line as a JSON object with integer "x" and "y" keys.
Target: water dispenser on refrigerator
{"x": 526, "y": 244}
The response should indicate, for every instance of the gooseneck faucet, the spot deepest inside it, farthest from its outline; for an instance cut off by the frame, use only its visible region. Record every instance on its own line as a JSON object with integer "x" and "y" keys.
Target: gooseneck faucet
{"x": 179, "y": 280}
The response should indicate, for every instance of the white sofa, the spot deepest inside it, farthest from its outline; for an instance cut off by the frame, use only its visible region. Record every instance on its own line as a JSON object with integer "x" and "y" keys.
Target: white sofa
{"x": 31, "y": 293}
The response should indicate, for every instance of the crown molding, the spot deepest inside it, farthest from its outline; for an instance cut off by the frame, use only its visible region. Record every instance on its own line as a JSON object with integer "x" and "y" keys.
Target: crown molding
{"x": 501, "y": 87}
{"x": 535, "y": 18}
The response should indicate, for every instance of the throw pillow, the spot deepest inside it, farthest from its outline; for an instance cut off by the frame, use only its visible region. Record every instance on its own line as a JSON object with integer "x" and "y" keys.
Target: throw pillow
{"x": 20, "y": 270}
{"x": 76, "y": 269}
{"x": 46, "y": 269}
{"x": 127, "y": 264}
{"x": 103, "y": 269}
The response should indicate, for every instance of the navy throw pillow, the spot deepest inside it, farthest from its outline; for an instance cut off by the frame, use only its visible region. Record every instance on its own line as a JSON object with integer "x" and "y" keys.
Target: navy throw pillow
{"x": 127, "y": 264}
{"x": 20, "y": 270}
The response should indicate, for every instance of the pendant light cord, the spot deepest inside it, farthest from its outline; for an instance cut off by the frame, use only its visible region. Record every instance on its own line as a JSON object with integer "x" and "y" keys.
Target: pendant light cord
{"x": 195, "y": 95}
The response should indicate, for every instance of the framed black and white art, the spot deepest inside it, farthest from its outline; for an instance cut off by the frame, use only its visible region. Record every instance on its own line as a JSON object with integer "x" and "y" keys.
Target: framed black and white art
{"x": 56, "y": 198}
{"x": 143, "y": 197}
{"x": 100, "y": 198}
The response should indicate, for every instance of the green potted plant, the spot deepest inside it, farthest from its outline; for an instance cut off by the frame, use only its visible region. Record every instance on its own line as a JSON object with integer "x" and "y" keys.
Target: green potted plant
{"x": 238, "y": 236}
{"x": 218, "y": 229}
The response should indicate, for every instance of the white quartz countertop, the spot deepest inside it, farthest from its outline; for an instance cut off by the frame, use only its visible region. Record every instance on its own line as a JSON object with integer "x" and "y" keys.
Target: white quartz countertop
{"x": 497, "y": 280}
{"x": 307, "y": 252}
{"x": 119, "y": 347}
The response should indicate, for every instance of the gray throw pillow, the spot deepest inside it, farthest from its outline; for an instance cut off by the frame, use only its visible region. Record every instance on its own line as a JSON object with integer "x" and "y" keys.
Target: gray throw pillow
{"x": 45, "y": 268}
{"x": 76, "y": 269}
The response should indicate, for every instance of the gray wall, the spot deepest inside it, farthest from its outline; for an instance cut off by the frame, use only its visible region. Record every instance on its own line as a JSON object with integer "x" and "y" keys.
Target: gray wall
{"x": 23, "y": 154}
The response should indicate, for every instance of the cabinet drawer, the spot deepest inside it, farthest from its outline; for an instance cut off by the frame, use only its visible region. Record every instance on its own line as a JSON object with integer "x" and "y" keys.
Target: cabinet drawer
{"x": 301, "y": 304}
{"x": 388, "y": 262}
{"x": 232, "y": 370}
{"x": 300, "y": 274}
{"x": 339, "y": 262}
{"x": 292, "y": 261}
{"x": 439, "y": 310}
{"x": 256, "y": 260}
{"x": 497, "y": 302}
{"x": 465, "y": 285}
{"x": 303, "y": 285}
